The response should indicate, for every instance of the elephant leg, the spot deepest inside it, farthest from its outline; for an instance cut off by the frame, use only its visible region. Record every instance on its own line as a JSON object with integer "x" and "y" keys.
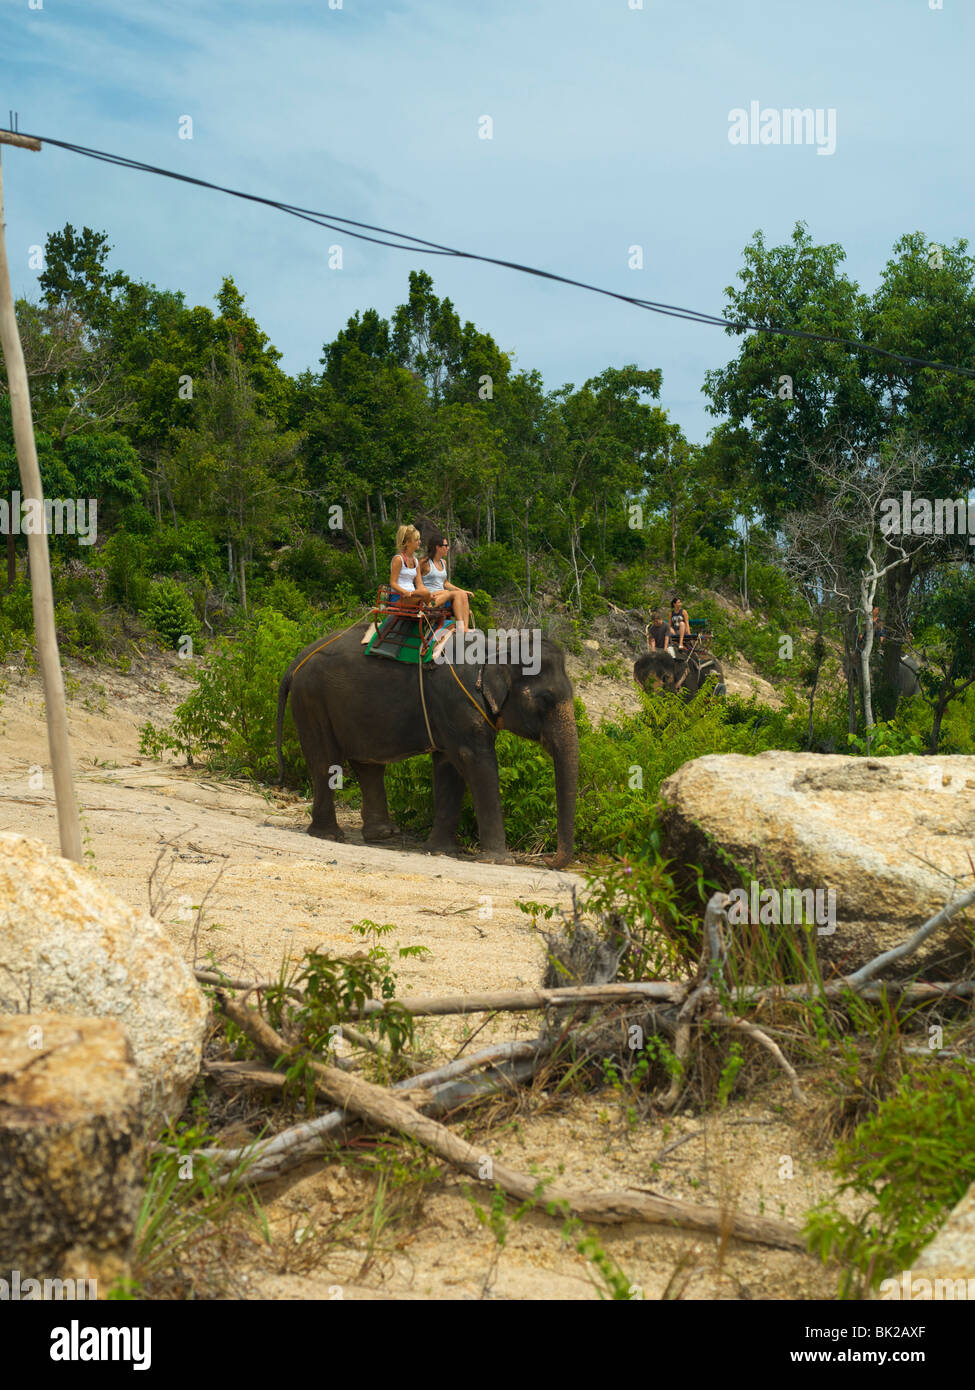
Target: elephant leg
{"x": 448, "y": 798}
{"x": 322, "y": 756}
{"x": 481, "y": 773}
{"x": 376, "y": 822}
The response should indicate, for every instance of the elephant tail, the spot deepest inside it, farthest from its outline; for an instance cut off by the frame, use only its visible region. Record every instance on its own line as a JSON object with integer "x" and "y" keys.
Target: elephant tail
{"x": 284, "y": 690}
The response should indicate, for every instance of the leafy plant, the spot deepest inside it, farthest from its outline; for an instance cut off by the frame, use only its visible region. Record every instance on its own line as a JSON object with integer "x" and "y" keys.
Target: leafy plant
{"x": 193, "y": 1220}
{"x": 169, "y": 611}
{"x": 231, "y": 715}
{"x": 908, "y": 1165}
{"x": 308, "y": 1007}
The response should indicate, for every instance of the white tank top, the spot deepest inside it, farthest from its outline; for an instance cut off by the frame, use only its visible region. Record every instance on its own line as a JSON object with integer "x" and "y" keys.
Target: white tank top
{"x": 435, "y": 577}
{"x": 407, "y": 575}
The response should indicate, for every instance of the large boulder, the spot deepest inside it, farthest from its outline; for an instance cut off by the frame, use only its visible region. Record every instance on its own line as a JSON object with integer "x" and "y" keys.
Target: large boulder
{"x": 892, "y": 836}
{"x": 69, "y": 945}
{"x": 71, "y": 1155}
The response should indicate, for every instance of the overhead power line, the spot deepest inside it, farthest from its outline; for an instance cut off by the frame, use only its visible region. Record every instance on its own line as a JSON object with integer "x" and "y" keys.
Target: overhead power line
{"x": 420, "y": 246}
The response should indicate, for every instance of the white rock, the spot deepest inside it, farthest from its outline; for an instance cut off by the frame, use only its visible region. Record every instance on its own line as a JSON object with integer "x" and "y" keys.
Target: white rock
{"x": 69, "y": 945}
{"x": 888, "y": 834}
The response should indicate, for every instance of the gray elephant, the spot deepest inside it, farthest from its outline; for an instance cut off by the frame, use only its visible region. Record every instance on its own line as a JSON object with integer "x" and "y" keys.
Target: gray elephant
{"x": 685, "y": 674}
{"x": 906, "y": 680}
{"x": 366, "y": 712}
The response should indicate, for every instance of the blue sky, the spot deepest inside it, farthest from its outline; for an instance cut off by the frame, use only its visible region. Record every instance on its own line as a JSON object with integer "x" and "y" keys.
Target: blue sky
{"x": 610, "y": 130}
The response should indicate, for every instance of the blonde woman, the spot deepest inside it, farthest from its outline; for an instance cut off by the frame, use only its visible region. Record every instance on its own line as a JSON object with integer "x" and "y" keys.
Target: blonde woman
{"x": 404, "y": 569}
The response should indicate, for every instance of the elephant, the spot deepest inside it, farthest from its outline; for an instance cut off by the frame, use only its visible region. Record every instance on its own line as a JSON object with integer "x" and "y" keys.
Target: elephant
{"x": 686, "y": 674}
{"x": 367, "y": 711}
{"x": 906, "y": 680}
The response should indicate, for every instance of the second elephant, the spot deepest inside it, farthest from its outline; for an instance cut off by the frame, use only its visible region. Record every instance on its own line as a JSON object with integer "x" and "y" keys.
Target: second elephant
{"x": 657, "y": 670}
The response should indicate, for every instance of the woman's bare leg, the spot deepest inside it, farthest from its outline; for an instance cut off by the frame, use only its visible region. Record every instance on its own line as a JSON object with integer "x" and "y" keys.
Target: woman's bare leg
{"x": 461, "y": 606}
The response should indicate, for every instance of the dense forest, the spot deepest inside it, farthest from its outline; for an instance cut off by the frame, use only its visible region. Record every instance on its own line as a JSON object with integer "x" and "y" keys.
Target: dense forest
{"x": 237, "y": 502}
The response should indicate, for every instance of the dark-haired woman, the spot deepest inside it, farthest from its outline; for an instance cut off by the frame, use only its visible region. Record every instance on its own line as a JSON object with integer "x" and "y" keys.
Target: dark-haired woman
{"x": 434, "y": 572}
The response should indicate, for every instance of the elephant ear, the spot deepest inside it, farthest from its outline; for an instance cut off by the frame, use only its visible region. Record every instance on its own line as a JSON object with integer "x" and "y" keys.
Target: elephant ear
{"x": 496, "y": 684}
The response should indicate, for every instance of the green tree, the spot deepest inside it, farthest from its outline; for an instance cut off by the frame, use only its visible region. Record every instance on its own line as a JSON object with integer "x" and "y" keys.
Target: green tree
{"x": 236, "y": 469}
{"x": 945, "y": 628}
{"x": 799, "y": 397}
{"x": 605, "y": 437}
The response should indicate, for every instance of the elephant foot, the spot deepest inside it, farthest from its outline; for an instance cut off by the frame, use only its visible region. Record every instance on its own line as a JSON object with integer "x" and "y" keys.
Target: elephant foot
{"x": 385, "y": 831}
{"x": 558, "y": 861}
{"x": 323, "y": 833}
{"x": 495, "y": 856}
{"x": 439, "y": 846}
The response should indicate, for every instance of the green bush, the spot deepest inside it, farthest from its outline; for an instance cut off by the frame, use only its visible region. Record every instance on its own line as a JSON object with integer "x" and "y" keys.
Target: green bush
{"x": 887, "y": 740}
{"x": 16, "y": 619}
{"x": 135, "y": 519}
{"x": 284, "y": 596}
{"x": 627, "y": 544}
{"x": 909, "y": 1164}
{"x": 628, "y": 588}
{"x": 482, "y": 608}
{"x": 231, "y": 715}
{"x": 492, "y": 567}
{"x": 326, "y": 574}
{"x": 124, "y": 557}
{"x": 80, "y": 631}
{"x": 185, "y": 549}
{"x": 169, "y": 611}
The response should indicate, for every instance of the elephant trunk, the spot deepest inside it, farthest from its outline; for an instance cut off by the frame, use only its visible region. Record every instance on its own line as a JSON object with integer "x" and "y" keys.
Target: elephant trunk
{"x": 562, "y": 742}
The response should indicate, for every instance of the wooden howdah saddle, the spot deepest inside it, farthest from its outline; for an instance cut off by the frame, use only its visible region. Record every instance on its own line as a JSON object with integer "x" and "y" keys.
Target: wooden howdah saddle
{"x": 406, "y": 631}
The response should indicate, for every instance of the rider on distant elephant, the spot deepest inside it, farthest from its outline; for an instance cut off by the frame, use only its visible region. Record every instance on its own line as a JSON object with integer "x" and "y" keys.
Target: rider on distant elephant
{"x": 658, "y": 634}
{"x": 433, "y": 570}
{"x": 679, "y": 621}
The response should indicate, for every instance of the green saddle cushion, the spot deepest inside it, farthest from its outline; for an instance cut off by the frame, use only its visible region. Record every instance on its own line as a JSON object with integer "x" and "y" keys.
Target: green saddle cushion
{"x": 400, "y": 639}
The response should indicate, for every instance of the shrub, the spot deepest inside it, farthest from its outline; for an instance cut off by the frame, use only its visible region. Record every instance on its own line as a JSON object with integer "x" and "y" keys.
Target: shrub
{"x": 169, "y": 611}
{"x": 628, "y": 588}
{"x": 231, "y": 715}
{"x": 911, "y": 1163}
{"x": 124, "y": 557}
{"x": 324, "y": 573}
{"x": 887, "y": 740}
{"x": 284, "y": 596}
{"x": 16, "y": 619}
{"x": 492, "y": 567}
{"x": 185, "y": 549}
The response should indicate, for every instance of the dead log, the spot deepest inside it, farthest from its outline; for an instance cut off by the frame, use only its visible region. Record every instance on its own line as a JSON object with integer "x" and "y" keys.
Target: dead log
{"x": 386, "y": 1111}
{"x": 515, "y": 1000}
{"x": 514, "y": 1061}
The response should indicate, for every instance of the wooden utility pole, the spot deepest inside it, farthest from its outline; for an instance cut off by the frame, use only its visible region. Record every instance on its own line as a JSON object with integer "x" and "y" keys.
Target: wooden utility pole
{"x": 42, "y": 594}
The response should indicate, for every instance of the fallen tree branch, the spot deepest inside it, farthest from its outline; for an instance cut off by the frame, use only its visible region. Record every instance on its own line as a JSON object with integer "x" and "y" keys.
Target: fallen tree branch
{"x": 302, "y": 1139}
{"x": 385, "y": 1110}
{"x": 907, "y": 948}
{"x": 248, "y": 1072}
{"x": 527, "y": 1000}
{"x": 515, "y": 1000}
{"x": 741, "y": 1025}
